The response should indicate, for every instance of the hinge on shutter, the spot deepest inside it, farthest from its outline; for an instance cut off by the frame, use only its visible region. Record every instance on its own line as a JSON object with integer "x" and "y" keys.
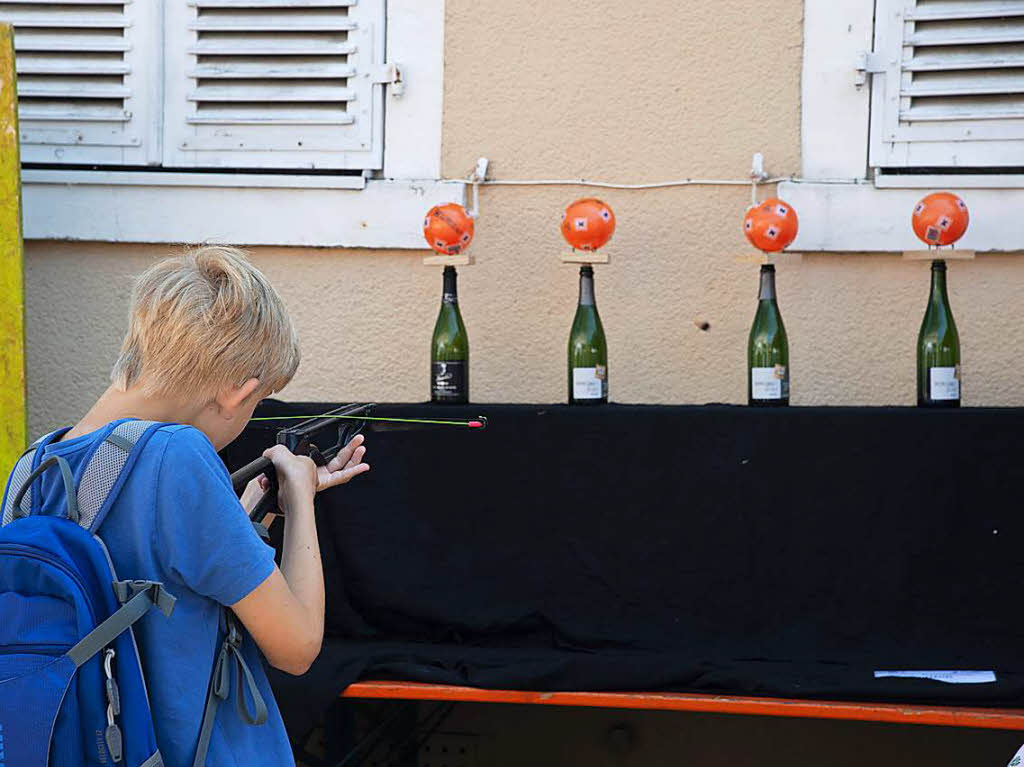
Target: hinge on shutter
{"x": 868, "y": 63}
{"x": 391, "y": 75}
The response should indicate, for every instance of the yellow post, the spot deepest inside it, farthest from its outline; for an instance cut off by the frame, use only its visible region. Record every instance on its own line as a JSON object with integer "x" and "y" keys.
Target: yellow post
{"x": 13, "y": 420}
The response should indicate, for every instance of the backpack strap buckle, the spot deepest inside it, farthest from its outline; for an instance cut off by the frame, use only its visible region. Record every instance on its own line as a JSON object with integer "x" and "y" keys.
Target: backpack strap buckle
{"x": 234, "y": 636}
{"x": 161, "y": 597}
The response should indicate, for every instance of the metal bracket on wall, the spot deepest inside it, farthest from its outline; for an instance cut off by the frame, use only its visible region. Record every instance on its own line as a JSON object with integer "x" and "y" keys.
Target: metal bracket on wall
{"x": 390, "y": 75}
{"x": 868, "y": 63}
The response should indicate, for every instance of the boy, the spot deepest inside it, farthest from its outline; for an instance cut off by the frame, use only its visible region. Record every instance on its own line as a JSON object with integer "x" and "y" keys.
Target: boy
{"x": 208, "y": 338}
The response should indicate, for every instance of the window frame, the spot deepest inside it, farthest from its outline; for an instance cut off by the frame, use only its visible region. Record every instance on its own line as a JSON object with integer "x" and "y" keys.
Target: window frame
{"x": 372, "y": 210}
{"x": 843, "y": 205}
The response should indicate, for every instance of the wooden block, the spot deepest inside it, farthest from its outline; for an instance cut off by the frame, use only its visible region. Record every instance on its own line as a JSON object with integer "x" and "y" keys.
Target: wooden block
{"x": 586, "y": 257}
{"x": 463, "y": 259}
{"x": 764, "y": 258}
{"x": 938, "y": 254}
{"x": 13, "y": 425}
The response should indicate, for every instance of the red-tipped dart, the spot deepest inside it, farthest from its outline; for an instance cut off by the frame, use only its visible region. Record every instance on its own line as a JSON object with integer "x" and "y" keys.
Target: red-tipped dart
{"x": 475, "y": 424}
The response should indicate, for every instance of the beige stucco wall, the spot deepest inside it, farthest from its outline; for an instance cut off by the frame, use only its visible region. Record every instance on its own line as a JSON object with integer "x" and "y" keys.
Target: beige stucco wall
{"x": 604, "y": 89}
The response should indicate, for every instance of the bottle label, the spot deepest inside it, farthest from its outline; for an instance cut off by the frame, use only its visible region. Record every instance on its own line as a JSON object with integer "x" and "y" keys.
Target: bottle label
{"x": 448, "y": 380}
{"x": 590, "y": 383}
{"x": 769, "y": 383}
{"x": 945, "y": 383}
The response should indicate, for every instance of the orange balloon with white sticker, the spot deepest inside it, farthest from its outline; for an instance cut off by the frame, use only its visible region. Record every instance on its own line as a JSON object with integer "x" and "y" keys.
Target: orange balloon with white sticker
{"x": 448, "y": 229}
{"x": 771, "y": 225}
{"x": 588, "y": 224}
{"x": 940, "y": 219}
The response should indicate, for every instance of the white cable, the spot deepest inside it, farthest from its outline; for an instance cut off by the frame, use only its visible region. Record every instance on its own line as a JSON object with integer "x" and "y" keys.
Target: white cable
{"x": 609, "y": 184}
{"x": 654, "y": 184}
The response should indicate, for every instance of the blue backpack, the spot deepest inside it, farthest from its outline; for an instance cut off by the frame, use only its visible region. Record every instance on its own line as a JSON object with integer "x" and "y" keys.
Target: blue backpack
{"x": 72, "y": 691}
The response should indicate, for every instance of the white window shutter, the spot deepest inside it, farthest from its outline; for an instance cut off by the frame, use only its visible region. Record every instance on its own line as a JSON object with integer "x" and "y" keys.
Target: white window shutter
{"x": 289, "y": 84}
{"x": 949, "y": 85}
{"x": 87, "y": 90}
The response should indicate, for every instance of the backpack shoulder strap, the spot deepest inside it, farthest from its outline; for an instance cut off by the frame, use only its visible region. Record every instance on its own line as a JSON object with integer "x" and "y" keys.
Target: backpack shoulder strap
{"x": 108, "y": 468}
{"x": 19, "y": 476}
{"x": 101, "y": 480}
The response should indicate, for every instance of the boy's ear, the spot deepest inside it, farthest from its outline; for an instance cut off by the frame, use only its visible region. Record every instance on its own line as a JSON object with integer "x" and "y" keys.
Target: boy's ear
{"x": 231, "y": 398}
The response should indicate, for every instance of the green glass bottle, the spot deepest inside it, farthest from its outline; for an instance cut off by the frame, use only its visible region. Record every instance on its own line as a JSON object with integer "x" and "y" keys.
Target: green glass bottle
{"x": 938, "y": 348}
{"x": 588, "y": 350}
{"x": 767, "y": 348}
{"x": 449, "y": 348}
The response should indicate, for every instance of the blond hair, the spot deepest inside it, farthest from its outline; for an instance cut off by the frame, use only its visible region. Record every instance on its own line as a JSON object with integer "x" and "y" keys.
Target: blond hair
{"x": 202, "y": 321}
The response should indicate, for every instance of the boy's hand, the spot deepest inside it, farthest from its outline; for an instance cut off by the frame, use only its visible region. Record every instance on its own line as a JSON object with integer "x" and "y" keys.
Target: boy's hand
{"x": 344, "y": 466}
{"x": 296, "y": 479}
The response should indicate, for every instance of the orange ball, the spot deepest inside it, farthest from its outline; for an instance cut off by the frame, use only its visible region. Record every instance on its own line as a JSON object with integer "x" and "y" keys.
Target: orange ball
{"x": 588, "y": 224}
{"x": 771, "y": 225}
{"x": 448, "y": 229}
{"x": 940, "y": 219}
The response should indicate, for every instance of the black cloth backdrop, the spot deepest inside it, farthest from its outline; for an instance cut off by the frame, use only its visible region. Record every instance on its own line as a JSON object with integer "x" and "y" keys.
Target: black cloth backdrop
{"x": 723, "y": 549}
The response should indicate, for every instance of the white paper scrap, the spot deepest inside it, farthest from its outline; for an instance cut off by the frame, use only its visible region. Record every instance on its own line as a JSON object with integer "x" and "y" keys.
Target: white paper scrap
{"x": 951, "y": 677}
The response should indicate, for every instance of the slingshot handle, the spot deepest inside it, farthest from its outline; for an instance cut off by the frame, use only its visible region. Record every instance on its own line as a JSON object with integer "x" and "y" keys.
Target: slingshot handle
{"x": 249, "y": 472}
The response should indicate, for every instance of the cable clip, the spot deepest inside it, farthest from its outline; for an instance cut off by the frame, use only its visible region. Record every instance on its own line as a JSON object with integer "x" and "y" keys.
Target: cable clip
{"x": 757, "y": 176}
{"x": 477, "y": 177}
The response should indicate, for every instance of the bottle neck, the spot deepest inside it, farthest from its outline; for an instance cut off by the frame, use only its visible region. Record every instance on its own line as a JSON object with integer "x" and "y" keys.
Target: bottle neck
{"x": 767, "y": 290}
{"x": 450, "y": 292}
{"x": 586, "y": 286}
{"x": 939, "y": 283}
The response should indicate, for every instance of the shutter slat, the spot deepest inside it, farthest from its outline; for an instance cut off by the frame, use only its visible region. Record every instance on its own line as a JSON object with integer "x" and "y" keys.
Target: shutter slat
{"x": 975, "y": 38}
{"x": 30, "y": 68}
{"x": 271, "y": 3}
{"x": 1010, "y": 85}
{"x": 341, "y": 119}
{"x": 77, "y": 115}
{"x": 270, "y": 70}
{"x": 270, "y": 48}
{"x": 946, "y": 63}
{"x": 119, "y": 3}
{"x": 966, "y": 112}
{"x": 984, "y": 84}
{"x": 283, "y": 26}
{"x": 959, "y": 11}
{"x": 57, "y": 91}
{"x": 67, "y": 22}
{"x": 284, "y": 94}
{"x": 69, "y": 45}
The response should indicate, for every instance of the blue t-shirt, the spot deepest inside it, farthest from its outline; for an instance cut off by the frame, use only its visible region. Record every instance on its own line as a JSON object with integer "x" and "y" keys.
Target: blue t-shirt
{"x": 177, "y": 521}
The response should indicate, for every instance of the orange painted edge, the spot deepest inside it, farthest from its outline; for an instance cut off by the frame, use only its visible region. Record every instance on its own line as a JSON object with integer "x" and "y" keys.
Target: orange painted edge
{"x": 949, "y": 716}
